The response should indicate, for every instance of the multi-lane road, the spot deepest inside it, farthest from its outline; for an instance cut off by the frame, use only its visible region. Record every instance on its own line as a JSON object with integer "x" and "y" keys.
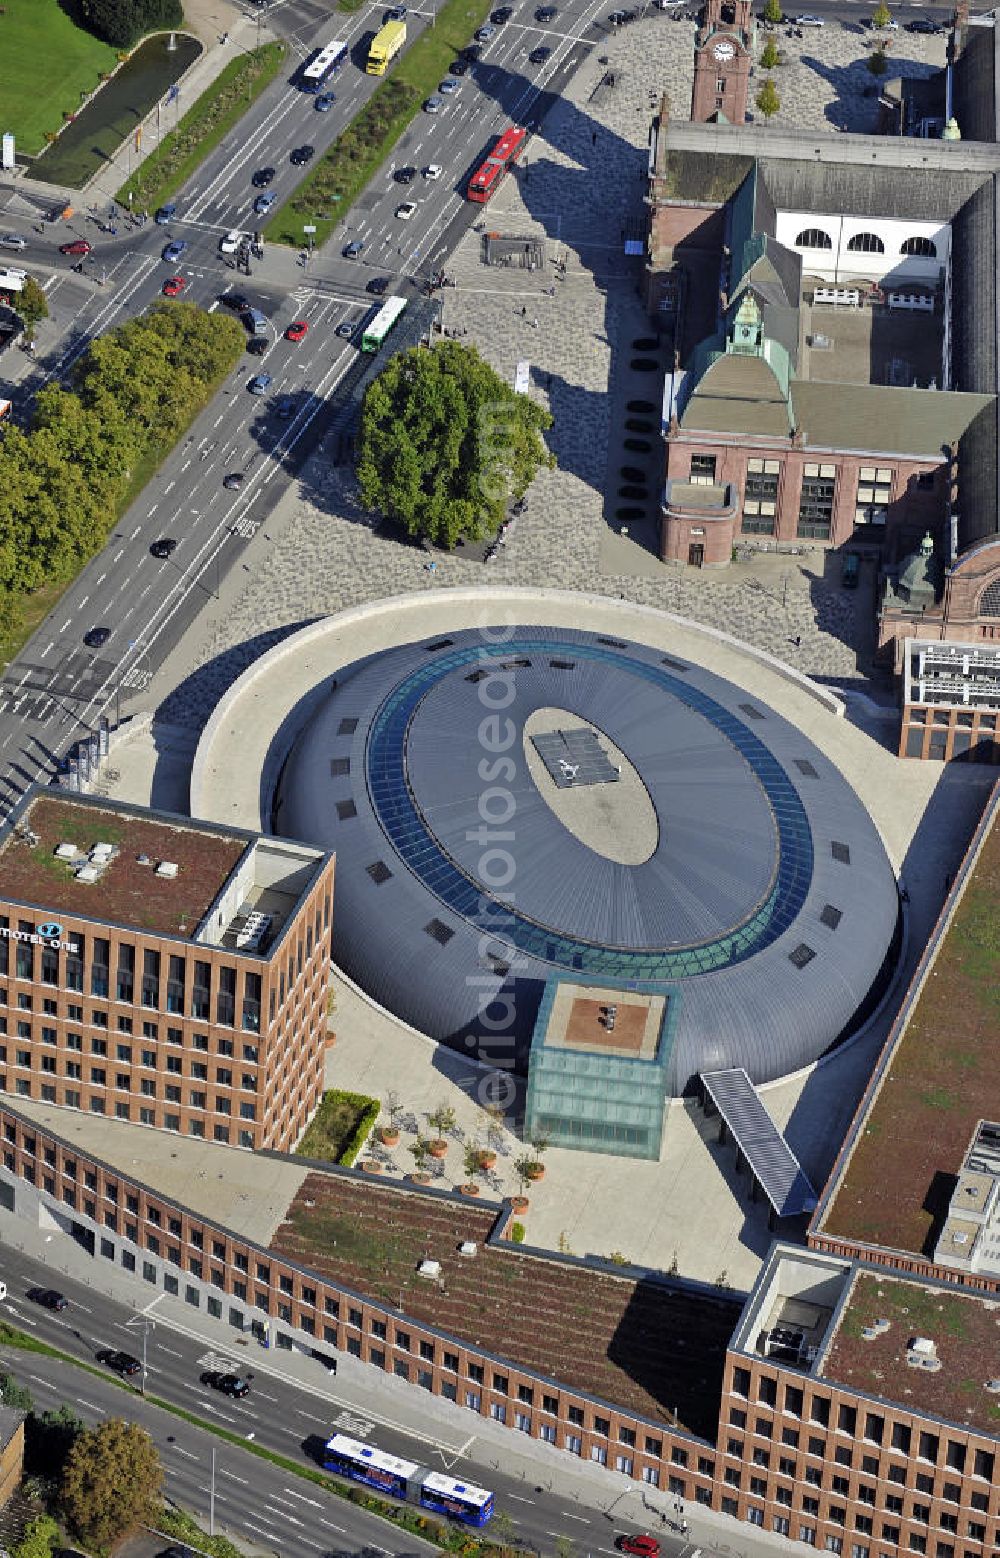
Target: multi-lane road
{"x": 266, "y": 1505}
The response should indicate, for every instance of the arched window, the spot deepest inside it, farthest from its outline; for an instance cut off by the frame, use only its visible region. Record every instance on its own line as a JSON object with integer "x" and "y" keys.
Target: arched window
{"x": 920, "y": 246}
{"x": 813, "y": 238}
{"x": 866, "y": 243}
{"x": 989, "y": 601}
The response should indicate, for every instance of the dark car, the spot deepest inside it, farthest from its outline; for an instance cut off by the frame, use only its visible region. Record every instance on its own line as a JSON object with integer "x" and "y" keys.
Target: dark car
{"x": 458, "y": 68}
{"x": 237, "y": 300}
{"x": 405, "y": 175}
{"x": 173, "y": 251}
{"x": 351, "y": 250}
{"x": 264, "y": 202}
{"x": 229, "y": 1384}
{"x": 301, "y": 155}
{"x": 96, "y": 637}
{"x": 262, "y": 178}
{"x": 922, "y": 24}
{"x": 325, "y": 102}
{"x": 257, "y": 345}
{"x": 539, "y": 56}
{"x": 546, "y": 13}
{"x": 121, "y": 1362}
{"x": 502, "y": 15}
{"x": 166, "y": 213}
{"x": 345, "y": 329}
{"x": 48, "y": 1298}
{"x": 165, "y": 547}
{"x": 78, "y": 246}
{"x": 379, "y": 286}
{"x": 285, "y": 407}
{"x": 472, "y": 52}
{"x": 234, "y": 480}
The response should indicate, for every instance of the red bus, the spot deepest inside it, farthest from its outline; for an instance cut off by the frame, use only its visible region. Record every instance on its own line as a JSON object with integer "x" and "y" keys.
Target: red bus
{"x": 504, "y": 154}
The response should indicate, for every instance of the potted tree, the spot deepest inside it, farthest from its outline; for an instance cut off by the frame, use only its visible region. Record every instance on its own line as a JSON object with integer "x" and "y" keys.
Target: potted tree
{"x": 420, "y": 1150}
{"x": 443, "y": 1119}
{"x": 388, "y": 1134}
{"x": 473, "y": 1166}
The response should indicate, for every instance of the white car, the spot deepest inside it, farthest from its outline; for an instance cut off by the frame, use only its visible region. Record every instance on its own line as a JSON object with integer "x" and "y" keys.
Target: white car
{"x": 230, "y": 243}
{"x": 809, "y": 21}
{"x": 406, "y": 210}
{"x": 433, "y": 171}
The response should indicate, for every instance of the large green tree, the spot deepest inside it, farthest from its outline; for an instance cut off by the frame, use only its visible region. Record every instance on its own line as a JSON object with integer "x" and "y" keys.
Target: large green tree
{"x": 121, "y": 22}
{"x": 445, "y": 444}
{"x": 32, "y": 305}
{"x": 111, "y": 1482}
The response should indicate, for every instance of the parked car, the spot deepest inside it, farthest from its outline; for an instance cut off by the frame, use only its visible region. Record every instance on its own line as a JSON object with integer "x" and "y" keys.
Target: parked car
{"x": 351, "y": 250}
{"x": 472, "y": 52}
{"x": 325, "y": 102}
{"x": 96, "y": 638}
{"x": 173, "y": 286}
{"x": 485, "y": 33}
{"x": 173, "y": 251}
{"x": 434, "y": 103}
{"x": 808, "y": 21}
{"x": 501, "y": 15}
{"x": 449, "y": 86}
{"x": 301, "y": 155}
{"x": 48, "y": 1298}
{"x": 850, "y": 570}
{"x": 458, "y": 67}
{"x": 539, "y": 56}
{"x": 233, "y": 481}
{"x": 164, "y": 548}
{"x": 121, "y": 1362}
{"x": 639, "y": 1546}
{"x": 78, "y": 246}
{"x": 406, "y": 210}
{"x": 405, "y": 175}
{"x": 345, "y": 329}
{"x": 262, "y": 178}
{"x": 264, "y": 202}
{"x": 260, "y": 384}
{"x": 297, "y": 331}
{"x": 166, "y": 213}
{"x": 432, "y": 172}
{"x": 229, "y": 1384}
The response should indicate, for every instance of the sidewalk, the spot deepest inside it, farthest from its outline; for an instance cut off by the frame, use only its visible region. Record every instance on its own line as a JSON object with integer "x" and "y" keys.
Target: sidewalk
{"x": 365, "y": 1391}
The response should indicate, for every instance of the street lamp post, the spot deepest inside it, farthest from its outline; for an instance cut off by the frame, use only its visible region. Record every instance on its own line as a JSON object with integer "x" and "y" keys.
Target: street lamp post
{"x": 211, "y": 1499}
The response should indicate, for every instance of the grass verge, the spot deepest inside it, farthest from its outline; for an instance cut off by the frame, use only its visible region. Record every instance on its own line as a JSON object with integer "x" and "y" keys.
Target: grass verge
{"x": 357, "y": 154}
{"x": 217, "y": 110}
{"x": 339, "y": 1127}
{"x": 178, "y": 1526}
{"x": 11, "y": 1337}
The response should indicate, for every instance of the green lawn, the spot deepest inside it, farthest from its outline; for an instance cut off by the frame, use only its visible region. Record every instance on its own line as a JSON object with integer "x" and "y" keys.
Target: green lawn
{"x": 46, "y": 64}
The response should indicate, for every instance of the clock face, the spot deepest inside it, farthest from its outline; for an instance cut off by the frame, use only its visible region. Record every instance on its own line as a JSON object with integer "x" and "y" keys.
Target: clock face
{"x": 724, "y": 49}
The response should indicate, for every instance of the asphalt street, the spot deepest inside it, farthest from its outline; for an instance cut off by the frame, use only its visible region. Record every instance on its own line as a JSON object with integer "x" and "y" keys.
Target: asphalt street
{"x": 278, "y": 1414}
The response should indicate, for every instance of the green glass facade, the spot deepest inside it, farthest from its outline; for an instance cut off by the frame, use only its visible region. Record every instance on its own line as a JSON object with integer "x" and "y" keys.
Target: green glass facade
{"x": 598, "y": 1102}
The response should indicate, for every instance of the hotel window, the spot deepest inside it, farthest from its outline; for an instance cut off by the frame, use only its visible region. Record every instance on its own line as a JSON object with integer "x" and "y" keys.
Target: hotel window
{"x": 816, "y": 502}
{"x": 201, "y": 991}
{"x": 99, "y": 973}
{"x": 760, "y": 497}
{"x": 24, "y": 965}
{"x": 74, "y": 965}
{"x": 150, "y": 977}
{"x": 225, "y": 1000}
{"x": 251, "y": 1002}
{"x": 50, "y": 966}
{"x": 874, "y": 494}
{"x": 125, "y": 979}
{"x": 702, "y": 470}
{"x": 175, "y": 983}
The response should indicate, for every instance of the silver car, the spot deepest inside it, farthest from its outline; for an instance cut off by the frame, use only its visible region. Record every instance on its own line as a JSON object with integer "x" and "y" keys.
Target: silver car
{"x": 434, "y": 104}
{"x": 12, "y": 241}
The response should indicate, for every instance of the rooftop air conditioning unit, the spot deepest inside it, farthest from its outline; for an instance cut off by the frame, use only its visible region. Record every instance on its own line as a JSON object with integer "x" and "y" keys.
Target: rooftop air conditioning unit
{"x": 923, "y": 1345}
{"x": 468, "y": 1249}
{"x": 167, "y": 868}
{"x": 66, "y": 851}
{"x": 102, "y": 852}
{"x": 87, "y": 874}
{"x": 431, "y": 1269}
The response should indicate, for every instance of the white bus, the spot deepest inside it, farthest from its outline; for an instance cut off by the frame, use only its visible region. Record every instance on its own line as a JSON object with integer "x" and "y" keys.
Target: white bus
{"x": 322, "y": 66}
{"x": 12, "y": 280}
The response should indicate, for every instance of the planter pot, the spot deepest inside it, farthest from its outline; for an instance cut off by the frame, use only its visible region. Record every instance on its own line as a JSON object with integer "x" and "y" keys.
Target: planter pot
{"x": 487, "y": 1160}
{"x": 438, "y": 1147}
{"x": 389, "y": 1136}
{"x": 519, "y": 1205}
{"x": 371, "y": 1166}
{"x": 535, "y": 1173}
{"x": 469, "y": 1189}
{"x": 420, "y": 1178}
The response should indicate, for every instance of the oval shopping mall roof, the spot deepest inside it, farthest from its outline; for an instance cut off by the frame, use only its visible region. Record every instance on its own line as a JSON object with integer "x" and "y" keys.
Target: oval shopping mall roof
{"x": 766, "y": 898}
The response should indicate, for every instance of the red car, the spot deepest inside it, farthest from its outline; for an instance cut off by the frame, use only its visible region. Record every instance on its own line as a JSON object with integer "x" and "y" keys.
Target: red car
{"x": 173, "y": 285}
{"x": 296, "y": 331}
{"x": 639, "y": 1546}
{"x": 78, "y": 246}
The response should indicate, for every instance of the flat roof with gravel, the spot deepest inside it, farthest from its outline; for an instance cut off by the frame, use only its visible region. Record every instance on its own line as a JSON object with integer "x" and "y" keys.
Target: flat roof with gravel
{"x": 647, "y": 1345}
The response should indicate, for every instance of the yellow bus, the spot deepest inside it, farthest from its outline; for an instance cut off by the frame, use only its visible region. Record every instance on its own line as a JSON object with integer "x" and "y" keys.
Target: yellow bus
{"x": 385, "y": 45}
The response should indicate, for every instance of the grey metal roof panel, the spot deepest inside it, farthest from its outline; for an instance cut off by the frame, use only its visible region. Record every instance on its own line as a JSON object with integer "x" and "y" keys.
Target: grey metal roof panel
{"x": 882, "y": 416}
{"x": 773, "y": 1163}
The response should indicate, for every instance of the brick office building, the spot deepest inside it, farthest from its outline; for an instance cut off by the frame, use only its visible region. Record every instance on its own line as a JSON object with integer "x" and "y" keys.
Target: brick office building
{"x": 163, "y": 971}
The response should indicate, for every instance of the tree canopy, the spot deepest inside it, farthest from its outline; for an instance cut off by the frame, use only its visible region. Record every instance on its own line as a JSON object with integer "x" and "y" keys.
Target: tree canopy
{"x": 445, "y": 444}
{"x": 40, "y": 1536}
{"x": 111, "y": 1482}
{"x": 32, "y": 305}
{"x": 121, "y": 22}
{"x": 767, "y": 100}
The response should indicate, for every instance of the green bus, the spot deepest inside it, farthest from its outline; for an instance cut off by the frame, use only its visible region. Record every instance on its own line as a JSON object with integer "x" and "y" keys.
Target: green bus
{"x": 375, "y": 333}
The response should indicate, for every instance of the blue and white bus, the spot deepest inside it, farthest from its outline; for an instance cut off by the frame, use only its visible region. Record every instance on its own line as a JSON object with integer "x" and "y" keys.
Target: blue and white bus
{"x": 408, "y": 1480}
{"x": 314, "y": 76}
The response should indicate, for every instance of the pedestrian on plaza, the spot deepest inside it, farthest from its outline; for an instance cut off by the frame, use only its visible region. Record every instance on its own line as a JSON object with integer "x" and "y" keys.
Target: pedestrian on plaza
{"x": 524, "y": 311}
{"x": 534, "y": 324}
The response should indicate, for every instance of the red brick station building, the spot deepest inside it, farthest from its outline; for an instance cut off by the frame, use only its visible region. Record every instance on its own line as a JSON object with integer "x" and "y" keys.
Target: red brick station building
{"x": 833, "y": 305}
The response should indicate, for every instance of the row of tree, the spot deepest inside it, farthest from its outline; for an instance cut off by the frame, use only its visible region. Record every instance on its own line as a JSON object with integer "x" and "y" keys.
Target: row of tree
{"x": 63, "y": 482}
{"x": 445, "y": 444}
{"x": 122, "y": 22}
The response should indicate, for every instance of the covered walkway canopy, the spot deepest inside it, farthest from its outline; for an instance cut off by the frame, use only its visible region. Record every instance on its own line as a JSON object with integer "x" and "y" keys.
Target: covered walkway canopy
{"x": 772, "y": 1163}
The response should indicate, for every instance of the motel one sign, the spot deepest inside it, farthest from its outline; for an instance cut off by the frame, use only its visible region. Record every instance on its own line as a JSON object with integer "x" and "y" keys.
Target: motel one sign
{"x": 47, "y": 935}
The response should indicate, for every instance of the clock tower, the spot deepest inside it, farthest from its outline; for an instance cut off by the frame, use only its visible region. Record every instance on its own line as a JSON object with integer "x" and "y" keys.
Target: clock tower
{"x": 723, "y": 48}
